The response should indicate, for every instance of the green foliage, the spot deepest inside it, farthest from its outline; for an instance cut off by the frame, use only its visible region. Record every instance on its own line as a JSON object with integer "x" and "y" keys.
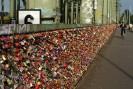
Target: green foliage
{"x": 125, "y": 14}
{"x": 132, "y": 19}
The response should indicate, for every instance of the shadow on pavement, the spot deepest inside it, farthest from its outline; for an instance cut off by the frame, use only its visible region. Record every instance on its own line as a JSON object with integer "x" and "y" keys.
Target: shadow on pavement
{"x": 124, "y": 72}
{"x": 120, "y": 37}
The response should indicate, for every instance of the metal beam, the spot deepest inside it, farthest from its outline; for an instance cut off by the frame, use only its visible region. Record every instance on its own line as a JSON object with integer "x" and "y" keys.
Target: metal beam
{"x": 12, "y": 8}
{"x": 77, "y": 12}
{"x": 66, "y": 12}
{"x": 72, "y": 9}
{"x": 15, "y": 15}
{"x": 2, "y": 11}
{"x": 103, "y": 12}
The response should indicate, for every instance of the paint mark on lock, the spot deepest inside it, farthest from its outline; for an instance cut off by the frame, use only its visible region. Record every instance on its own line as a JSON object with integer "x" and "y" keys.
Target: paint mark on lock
{"x": 28, "y": 17}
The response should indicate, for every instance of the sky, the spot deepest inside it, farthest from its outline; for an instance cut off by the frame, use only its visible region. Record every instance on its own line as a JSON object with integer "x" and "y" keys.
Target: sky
{"x": 7, "y": 5}
{"x": 125, "y": 4}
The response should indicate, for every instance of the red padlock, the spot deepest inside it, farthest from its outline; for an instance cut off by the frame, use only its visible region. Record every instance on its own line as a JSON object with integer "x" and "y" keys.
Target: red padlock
{"x": 17, "y": 44}
{"x": 7, "y": 46}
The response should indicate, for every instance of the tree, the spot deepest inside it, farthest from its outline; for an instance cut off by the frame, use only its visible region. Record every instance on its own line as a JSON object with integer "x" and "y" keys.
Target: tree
{"x": 125, "y": 17}
{"x": 126, "y": 14}
{"x": 121, "y": 18}
{"x": 131, "y": 19}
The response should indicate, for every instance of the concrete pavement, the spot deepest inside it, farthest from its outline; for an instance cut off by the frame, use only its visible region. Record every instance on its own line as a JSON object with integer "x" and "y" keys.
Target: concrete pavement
{"x": 113, "y": 67}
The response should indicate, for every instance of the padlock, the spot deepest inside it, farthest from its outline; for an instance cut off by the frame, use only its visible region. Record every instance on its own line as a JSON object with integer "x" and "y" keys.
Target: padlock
{"x": 17, "y": 44}
{"x": 7, "y": 46}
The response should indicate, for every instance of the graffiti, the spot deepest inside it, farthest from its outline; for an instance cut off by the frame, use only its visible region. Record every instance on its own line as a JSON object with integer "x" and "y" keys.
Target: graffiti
{"x": 13, "y": 28}
{"x": 23, "y": 28}
{"x": 87, "y": 10}
{"x": 44, "y": 1}
{"x": 46, "y": 12}
{"x": 7, "y": 29}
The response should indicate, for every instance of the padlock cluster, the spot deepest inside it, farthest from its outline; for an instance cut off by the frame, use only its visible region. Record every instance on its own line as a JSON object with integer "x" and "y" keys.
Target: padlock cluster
{"x": 49, "y": 60}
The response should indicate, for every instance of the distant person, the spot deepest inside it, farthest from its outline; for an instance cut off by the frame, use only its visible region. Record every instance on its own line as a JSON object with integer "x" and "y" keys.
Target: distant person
{"x": 118, "y": 25}
{"x": 130, "y": 26}
{"x": 123, "y": 28}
